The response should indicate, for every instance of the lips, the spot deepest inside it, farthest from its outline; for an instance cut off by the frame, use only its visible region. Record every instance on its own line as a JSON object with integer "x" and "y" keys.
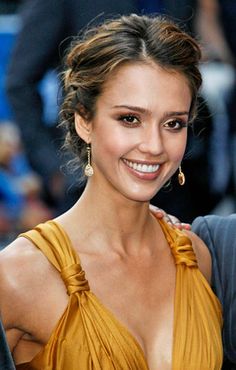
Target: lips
{"x": 142, "y": 167}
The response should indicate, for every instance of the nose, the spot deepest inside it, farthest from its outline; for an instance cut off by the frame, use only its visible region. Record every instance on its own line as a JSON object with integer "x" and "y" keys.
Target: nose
{"x": 151, "y": 141}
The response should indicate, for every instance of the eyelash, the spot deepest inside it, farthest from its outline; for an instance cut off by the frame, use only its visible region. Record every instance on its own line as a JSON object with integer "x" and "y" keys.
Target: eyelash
{"x": 180, "y": 122}
{"x": 125, "y": 117}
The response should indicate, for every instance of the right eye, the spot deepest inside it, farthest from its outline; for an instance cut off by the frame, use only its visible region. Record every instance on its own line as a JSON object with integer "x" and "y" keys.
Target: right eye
{"x": 129, "y": 120}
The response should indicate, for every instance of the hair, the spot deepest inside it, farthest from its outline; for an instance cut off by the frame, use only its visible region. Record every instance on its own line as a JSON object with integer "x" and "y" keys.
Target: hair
{"x": 128, "y": 39}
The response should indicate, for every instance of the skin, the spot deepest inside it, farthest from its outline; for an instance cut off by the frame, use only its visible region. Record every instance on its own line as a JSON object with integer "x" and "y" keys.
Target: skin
{"x": 124, "y": 246}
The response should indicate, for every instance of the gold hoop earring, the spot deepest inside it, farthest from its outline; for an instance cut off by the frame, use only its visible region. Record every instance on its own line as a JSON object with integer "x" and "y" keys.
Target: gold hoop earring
{"x": 88, "y": 171}
{"x": 181, "y": 177}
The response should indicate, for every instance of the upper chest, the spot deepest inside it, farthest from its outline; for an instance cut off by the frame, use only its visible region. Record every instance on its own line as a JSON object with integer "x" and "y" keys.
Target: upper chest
{"x": 140, "y": 294}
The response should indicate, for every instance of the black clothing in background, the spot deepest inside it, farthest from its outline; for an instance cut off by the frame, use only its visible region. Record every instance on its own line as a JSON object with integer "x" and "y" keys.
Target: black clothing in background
{"x": 39, "y": 47}
{"x": 6, "y": 362}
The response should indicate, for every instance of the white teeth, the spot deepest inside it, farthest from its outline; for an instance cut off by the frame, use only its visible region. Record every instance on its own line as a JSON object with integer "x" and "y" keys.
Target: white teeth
{"x": 142, "y": 167}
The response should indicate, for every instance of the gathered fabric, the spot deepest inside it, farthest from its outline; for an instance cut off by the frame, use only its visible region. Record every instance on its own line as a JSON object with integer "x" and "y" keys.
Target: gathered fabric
{"x": 89, "y": 337}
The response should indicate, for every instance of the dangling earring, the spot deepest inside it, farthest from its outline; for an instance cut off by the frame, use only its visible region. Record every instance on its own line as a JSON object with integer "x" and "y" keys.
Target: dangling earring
{"x": 181, "y": 177}
{"x": 88, "y": 171}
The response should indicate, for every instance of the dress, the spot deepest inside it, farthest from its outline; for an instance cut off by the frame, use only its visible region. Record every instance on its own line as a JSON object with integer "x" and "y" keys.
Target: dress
{"x": 89, "y": 337}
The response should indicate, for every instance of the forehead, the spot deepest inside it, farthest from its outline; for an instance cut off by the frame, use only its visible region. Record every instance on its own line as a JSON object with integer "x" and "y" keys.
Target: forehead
{"x": 146, "y": 85}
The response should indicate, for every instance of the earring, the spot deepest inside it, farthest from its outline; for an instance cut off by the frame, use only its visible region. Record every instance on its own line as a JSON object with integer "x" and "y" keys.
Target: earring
{"x": 88, "y": 171}
{"x": 181, "y": 177}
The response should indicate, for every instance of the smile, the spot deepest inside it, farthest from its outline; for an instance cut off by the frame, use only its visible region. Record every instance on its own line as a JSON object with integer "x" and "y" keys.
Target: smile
{"x": 144, "y": 168}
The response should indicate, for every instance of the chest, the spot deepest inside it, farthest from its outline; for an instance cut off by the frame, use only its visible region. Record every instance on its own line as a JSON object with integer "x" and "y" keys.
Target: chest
{"x": 140, "y": 294}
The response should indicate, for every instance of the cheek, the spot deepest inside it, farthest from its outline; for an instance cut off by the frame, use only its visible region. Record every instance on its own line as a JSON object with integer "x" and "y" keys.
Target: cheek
{"x": 106, "y": 147}
{"x": 111, "y": 142}
{"x": 176, "y": 147}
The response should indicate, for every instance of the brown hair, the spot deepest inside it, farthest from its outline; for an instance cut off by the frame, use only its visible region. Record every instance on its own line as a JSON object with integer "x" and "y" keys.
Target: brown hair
{"x": 127, "y": 39}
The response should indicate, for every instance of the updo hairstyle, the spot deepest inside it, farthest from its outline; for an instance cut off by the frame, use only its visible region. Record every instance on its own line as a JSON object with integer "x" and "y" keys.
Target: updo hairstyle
{"x": 100, "y": 50}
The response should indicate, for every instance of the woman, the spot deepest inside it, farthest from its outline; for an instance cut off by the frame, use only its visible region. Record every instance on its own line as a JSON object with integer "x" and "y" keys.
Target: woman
{"x": 106, "y": 285}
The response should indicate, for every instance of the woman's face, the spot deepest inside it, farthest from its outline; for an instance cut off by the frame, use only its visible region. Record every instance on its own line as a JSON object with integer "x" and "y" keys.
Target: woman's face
{"x": 139, "y": 131}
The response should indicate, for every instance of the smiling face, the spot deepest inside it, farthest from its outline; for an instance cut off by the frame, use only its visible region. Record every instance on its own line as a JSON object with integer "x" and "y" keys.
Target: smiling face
{"x": 139, "y": 131}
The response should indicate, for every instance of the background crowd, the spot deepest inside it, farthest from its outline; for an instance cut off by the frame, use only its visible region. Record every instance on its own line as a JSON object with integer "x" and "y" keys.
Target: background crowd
{"x": 34, "y": 34}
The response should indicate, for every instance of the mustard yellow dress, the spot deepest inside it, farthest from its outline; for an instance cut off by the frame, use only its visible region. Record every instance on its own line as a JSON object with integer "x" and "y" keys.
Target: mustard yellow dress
{"x": 89, "y": 337}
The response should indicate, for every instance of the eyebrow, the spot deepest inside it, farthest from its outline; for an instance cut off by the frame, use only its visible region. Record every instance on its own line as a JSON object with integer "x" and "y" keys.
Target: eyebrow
{"x": 143, "y": 110}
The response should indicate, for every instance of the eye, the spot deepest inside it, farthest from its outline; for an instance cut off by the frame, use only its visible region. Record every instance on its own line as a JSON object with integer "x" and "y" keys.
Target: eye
{"x": 175, "y": 124}
{"x": 129, "y": 120}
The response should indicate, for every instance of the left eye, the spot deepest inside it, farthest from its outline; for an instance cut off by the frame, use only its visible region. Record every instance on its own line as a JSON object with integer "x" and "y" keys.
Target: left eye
{"x": 175, "y": 124}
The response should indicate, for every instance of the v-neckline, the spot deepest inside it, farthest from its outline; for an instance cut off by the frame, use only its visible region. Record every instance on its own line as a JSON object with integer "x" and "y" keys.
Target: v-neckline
{"x": 109, "y": 311}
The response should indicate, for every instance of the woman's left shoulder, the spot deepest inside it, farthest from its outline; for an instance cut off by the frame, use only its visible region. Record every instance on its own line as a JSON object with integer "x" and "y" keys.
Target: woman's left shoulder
{"x": 202, "y": 254}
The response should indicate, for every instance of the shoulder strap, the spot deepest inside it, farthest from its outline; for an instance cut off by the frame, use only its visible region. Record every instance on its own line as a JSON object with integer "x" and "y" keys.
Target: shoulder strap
{"x": 54, "y": 243}
{"x": 181, "y": 245}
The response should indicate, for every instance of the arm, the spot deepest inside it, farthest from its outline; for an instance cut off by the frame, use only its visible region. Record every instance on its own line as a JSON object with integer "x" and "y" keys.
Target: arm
{"x": 11, "y": 274}
{"x": 27, "y": 305}
{"x": 219, "y": 234}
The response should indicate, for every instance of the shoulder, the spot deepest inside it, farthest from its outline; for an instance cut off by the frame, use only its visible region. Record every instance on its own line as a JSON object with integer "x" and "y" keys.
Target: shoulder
{"x": 23, "y": 271}
{"x": 218, "y": 233}
{"x": 216, "y": 226}
{"x": 202, "y": 253}
{"x": 20, "y": 256}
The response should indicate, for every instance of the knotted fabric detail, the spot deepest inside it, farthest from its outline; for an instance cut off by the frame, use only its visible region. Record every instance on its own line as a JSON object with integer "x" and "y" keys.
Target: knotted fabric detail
{"x": 183, "y": 252}
{"x": 74, "y": 279}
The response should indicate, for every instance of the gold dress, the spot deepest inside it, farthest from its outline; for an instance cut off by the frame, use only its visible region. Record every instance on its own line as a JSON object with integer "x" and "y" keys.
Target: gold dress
{"x": 89, "y": 337}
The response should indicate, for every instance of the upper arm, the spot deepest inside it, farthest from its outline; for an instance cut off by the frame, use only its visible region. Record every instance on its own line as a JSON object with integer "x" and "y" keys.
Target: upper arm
{"x": 18, "y": 286}
{"x": 9, "y": 304}
{"x": 27, "y": 304}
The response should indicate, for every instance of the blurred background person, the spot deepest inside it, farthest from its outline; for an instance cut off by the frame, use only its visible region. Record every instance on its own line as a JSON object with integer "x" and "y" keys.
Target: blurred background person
{"x": 215, "y": 25}
{"x": 20, "y": 188}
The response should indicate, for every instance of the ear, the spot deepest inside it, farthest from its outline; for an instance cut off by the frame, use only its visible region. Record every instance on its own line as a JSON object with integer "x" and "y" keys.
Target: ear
{"x": 83, "y": 127}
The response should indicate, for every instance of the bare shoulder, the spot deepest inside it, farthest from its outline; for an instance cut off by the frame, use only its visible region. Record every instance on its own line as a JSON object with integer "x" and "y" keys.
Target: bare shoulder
{"x": 202, "y": 253}
{"x": 20, "y": 259}
{"x": 23, "y": 271}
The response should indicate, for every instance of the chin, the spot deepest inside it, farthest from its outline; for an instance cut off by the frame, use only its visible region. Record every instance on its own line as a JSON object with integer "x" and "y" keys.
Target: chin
{"x": 141, "y": 196}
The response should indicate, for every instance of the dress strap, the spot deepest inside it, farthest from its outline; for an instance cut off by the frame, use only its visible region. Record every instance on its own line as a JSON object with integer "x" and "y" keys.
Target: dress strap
{"x": 55, "y": 244}
{"x": 180, "y": 244}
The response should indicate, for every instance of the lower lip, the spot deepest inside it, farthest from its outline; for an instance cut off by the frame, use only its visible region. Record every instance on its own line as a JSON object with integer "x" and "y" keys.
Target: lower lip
{"x": 143, "y": 175}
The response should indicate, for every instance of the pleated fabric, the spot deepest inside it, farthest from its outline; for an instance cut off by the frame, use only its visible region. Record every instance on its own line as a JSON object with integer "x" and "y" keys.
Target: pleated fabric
{"x": 89, "y": 337}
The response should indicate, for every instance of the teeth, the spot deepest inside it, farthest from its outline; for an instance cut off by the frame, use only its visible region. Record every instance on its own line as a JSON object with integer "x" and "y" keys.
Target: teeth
{"x": 142, "y": 167}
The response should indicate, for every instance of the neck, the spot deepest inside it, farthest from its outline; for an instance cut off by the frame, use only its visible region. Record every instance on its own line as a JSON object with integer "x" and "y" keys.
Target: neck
{"x": 119, "y": 222}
